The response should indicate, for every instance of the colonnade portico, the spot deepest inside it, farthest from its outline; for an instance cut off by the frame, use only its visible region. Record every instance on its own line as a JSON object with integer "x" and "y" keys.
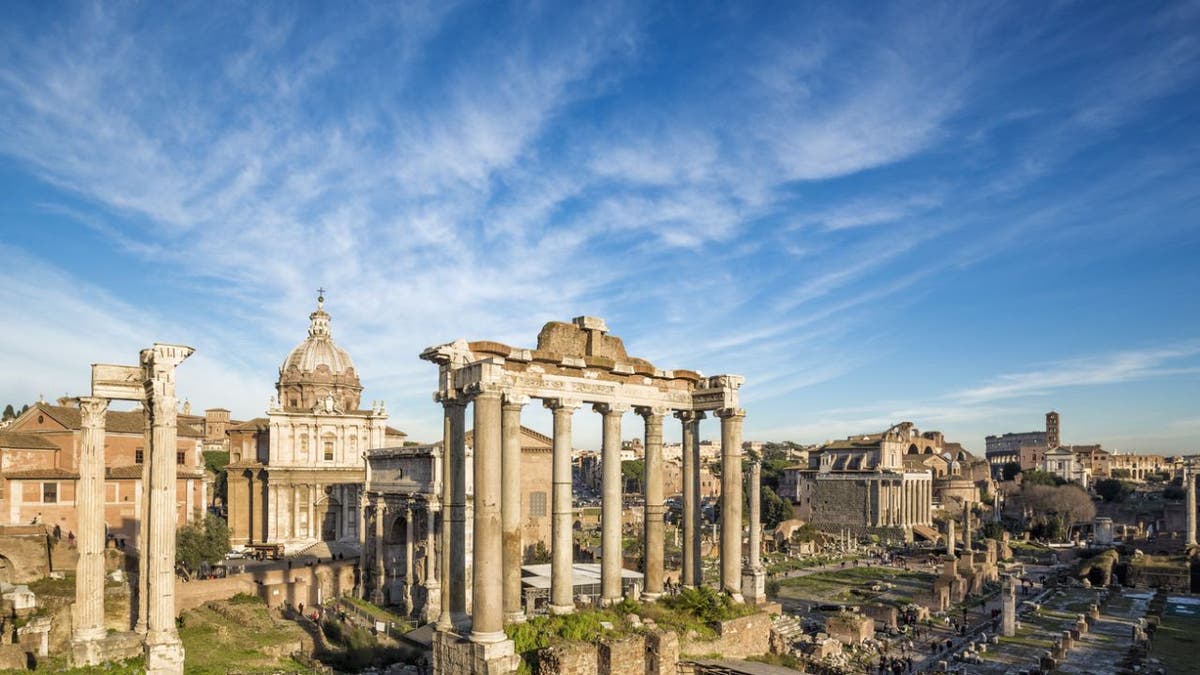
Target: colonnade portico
{"x": 575, "y": 364}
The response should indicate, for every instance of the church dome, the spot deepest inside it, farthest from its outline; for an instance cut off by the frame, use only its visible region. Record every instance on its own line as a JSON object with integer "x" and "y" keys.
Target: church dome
{"x": 317, "y": 370}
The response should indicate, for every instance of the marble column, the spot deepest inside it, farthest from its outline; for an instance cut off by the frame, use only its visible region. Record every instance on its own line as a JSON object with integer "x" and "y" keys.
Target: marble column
{"x": 1189, "y": 484}
{"x": 731, "y": 501}
{"x": 410, "y": 577}
{"x": 696, "y": 525}
{"x": 143, "y": 527}
{"x": 653, "y": 519}
{"x": 164, "y": 650}
{"x": 380, "y": 566}
{"x": 454, "y": 490}
{"x": 487, "y": 588}
{"x": 295, "y": 512}
{"x": 562, "y": 590}
{"x": 754, "y": 582}
{"x": 89, "y": 500}
{"x": 950, "y": 543}
{"x": 611, "y": 549}
{"x": 691, "y": 506}
{"x": 510, "y": 509}
{"x": 1008, "y": 607}
{"x": 433, "y": 587}
{"x": 444, "y": 622}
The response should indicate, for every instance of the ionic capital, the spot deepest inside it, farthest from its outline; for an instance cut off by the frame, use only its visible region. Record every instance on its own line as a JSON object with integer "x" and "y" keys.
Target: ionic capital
{"x": 652, "y": 411}
{"x": 92, "y": 411}
{"x": 731, "y": 413}
{"x": 483, "y": 390}
{"x": 617, "y": 409}
{"x": 562, "y": 405}
{"x": 517, "y": 401}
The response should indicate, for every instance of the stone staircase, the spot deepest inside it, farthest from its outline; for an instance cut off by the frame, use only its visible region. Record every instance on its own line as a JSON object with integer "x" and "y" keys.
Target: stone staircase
{"x": 784, "y": 632}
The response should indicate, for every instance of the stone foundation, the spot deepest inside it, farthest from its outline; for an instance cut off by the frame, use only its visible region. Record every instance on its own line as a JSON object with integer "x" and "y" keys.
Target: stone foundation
{"x": 111, "y": 647}
{"x": 736, "y": 638}
{"x": 455, "y": 655}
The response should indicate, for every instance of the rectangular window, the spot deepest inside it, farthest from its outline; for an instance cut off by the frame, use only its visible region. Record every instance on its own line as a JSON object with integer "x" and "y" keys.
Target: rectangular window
{"x": 49, "y": 493}
{"x": 537, "y": 504}
{"x": 139, "y": 456}
{"x": 328, "y": 451}
{"x": 179, "y": 457}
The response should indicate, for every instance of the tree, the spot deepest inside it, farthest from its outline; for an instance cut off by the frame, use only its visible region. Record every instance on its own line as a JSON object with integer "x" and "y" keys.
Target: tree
{"x": 774, "y": 509}
{"x": 201, "y": 542}
{"x": 1035, "y": 477}
{"x": 1122, "y": 473}
{"x": 1113, "y": 490}
{"x": 216, "y": 461}
{"x": 1055, "y": 508}
{"x": 633, "y": 471}
{"x": 9, "y": 413}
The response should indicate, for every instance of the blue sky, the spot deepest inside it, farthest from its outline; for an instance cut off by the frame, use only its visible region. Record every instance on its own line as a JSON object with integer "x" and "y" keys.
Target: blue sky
{"x": 957, "y": 214}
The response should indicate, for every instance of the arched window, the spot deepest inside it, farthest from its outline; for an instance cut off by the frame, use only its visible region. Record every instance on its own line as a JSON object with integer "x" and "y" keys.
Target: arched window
{"x": 327, "y": 445}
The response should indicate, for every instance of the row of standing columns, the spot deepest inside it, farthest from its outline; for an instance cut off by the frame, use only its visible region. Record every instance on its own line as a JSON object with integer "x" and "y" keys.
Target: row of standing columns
{"x": 155, "y": 617}
{"x": 497, "y": 547}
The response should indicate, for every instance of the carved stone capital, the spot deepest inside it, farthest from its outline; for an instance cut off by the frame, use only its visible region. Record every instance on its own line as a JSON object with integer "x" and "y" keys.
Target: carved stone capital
{"x": 731, "y": 413}
{"x": 92, "y": 411}
{"x": 610, "y": 408}
{"x": 562, "y": 405}
{"x": 652, "y": 411}
{"x": 483, "y": 390}
{"x": 517, "y": 401}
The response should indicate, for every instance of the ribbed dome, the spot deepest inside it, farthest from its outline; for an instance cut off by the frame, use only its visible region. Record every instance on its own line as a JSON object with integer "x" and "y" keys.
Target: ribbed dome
{"x": 318, "y": 369}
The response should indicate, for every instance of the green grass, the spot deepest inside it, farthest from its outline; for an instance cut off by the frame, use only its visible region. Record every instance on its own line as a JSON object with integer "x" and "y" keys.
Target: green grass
{"x": 230, "y": 637}
{"x": 1176, "y": 642}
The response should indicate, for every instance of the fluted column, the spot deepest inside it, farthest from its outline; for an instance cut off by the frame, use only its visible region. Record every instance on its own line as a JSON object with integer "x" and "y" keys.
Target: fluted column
{"x": 688, "y": 523}
{"x": 380, "y": 571}
{"x": 1189, "y": 482}
{"x": 653, "y": 520}
{"x": 562, "y": 549}
{"x": 89, "y": 500}
{"x": 611, "y": 550}
{"x": 731, "y": 500}
{"x": 164, "y": 650}
{"x": 487, "y": 589}
{"x": 143, "y": 527}
{"x": 510, "y": 508}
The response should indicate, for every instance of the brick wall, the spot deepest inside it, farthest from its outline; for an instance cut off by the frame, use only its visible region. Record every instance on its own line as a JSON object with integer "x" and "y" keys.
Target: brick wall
{"x": 736, "y": 638}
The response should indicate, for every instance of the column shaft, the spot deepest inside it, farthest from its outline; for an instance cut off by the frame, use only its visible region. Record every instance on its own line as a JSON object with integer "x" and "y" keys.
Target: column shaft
{"x": 510, "y": 508}
{"x": 755, "y": 514}
{"x": 380, "y": 566}
{"x": 457, "y": 479}
{"x": 562, "y": 561}
{"x": 653, "y": 522}
{"x": 89, "y": 499}
{"x": 611, "y": 550}
{"x": 690, "y": 504}
{"x": 410, "y": 577}
{"x": 1189, "y": 482}
{"x": 731, "y": 501}
{"x": 487, "y": 592}
{"x": 433, "y": 586}
{"x": 695, "y": 525}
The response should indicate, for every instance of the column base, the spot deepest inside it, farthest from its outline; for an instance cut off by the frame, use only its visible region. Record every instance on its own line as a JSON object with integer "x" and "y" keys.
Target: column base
{"x": 104, "y": 648}
{"x": 609, "y": 602}
{"x": 488, "y": 638}
{"x": 650, "y": 597}
{"x": 453, "y": 655}
{"x": 559, "y": 610}
{"x": 164, "y": 658}
{"x": 515, "y": 617}
{"x": 754, "y": 587}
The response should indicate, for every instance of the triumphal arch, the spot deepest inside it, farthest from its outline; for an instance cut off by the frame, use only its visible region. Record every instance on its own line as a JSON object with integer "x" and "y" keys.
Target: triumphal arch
{"x": 574, "y": 365}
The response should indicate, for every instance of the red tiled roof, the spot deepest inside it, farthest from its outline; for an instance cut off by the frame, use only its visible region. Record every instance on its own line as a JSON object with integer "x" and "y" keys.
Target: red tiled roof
{"x": 16, "y": 439}
{"x": 42, "y": 472}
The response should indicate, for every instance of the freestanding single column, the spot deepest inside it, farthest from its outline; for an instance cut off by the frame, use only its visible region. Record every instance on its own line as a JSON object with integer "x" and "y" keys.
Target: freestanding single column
{"x": 487, "y": 589}
{"x": 164, "y": 650}
{"x": 89, "y": 499}
{"x": 611, "y": 550}
{"x": 1189, "y": 482}
{"x": 731, "y": 500}
{"x": 1008, "y": 607}
{"x": 754, "y": 582}
{"x": 696, "y": 525}
{"x": 690, "y": 506}
{"x": 510, "y": 508}
{"x": 562, "y": 599}
{"x": 653, "y": 522}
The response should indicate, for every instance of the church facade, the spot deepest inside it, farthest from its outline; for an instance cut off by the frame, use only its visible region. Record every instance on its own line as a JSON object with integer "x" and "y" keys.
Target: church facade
{"x": 296, "y": 476}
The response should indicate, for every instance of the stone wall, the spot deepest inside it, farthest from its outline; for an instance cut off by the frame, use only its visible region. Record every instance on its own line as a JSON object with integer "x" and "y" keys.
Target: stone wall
{"x": 736, "y": 638}
{"x": 655, "y": 653}
{"x": 26, "y": 556}
{"x": 569, "y": 659}
{"x": 276, "y": 587}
